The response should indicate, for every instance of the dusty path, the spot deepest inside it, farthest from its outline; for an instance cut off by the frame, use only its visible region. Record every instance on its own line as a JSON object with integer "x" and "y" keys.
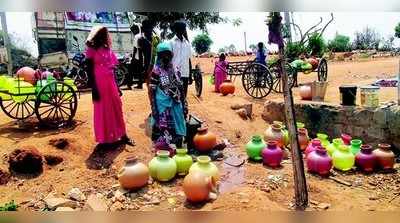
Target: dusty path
{"x": 251, "y": 187}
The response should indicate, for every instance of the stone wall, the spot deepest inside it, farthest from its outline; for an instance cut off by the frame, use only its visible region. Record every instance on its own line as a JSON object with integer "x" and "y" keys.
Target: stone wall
{"x": 373, "y": 126}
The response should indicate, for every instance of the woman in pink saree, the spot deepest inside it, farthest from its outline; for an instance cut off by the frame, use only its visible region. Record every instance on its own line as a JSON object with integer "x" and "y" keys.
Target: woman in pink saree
{"x": 108, "y": 118}
{"x": 220, "y": 71}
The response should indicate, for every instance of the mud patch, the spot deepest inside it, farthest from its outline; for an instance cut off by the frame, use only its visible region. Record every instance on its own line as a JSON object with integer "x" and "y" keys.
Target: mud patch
{"x": 26, "y": 160}
{"x": 53, "y": 160}
{"x": 4, "y": 177}
{"x": 59, "y": 143}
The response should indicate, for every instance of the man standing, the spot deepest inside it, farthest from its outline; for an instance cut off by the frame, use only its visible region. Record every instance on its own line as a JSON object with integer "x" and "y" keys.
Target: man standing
{"x": 182, "y": 51}
{"x": 135, "y": 68}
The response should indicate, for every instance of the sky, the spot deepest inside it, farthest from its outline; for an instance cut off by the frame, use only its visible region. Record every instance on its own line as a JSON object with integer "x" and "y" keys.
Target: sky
{"x": 346, "y": 23}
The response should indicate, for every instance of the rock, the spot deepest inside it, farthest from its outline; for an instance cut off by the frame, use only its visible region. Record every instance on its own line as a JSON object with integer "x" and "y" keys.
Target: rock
{"x": 4, "y": 177}
{"x": 76, "y": 194}
{"x": 212, "y": 196}
{"x": 323, "y": 206}
{"x": 64, "y": 209}
{"x": 120, "y": 195}
{"x": 96, "y": 203}
{"x": 117, "y": 206}
{"x": 236, "y": 106}
{"x": 238, "y": 134}
{"x": 147, "y": 197}
{"x": 53, "y": 160}
{"x": 357, "y": 182}
{"x": 155, "y": 201}
{"x": 60, "y": 143}
{"x": 249, "y": 110}
{"x": 242, "y": 113}
{"x": 220, "y": 146}
{"x": 52, "y": 203}
{"x": 26, "y": 160}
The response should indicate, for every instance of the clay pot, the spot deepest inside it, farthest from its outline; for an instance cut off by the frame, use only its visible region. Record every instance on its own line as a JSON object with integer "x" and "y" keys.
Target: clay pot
{"x": 272, "y": 154}
{"x": 162, "y": 167}
{"x": 324, "y": 139}
{"x": 197, "y": 186}
{"x": 254, "y": 148}
{"x": 346, "y": 138}
{"x": 275, "y": 133}
{"x": 133, "y": 175}
{"x": 183, "y": 161}
{"x": 205, "y": 166}
{"x": 312, "y": 146}
{"x": 365, "y": 159}
{"x": 319, "y": 162}
{"x": 303, "y": 138}
{"x": 334, "y": 146}
{"x": 227, "y": 87}
{"x": 343, "y": 159}
{"x": 355, "y": 146}
{"x": 204, "y": 141}
{"x": 28, "y": 74}
{"x": 305, "y": 92}
{"x": 384, "y": 156}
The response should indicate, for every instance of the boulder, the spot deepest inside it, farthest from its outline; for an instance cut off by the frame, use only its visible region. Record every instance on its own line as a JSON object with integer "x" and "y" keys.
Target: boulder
{"x": 76, "y": 194}
{"x": 96, "y": 203}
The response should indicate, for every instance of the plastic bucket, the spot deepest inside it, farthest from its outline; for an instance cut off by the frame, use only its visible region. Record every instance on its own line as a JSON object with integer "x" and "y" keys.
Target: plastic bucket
{"x": 348, "y": 94}
{"x": 369, "y": 96}
{"x": 318, "y": 90}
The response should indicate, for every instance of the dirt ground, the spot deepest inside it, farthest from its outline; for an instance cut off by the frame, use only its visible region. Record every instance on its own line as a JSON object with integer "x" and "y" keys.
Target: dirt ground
{"x": 249, "y": 187}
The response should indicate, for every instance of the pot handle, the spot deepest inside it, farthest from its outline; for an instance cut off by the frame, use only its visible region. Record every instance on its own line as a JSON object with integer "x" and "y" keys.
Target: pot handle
{"x": 121, "y": 172}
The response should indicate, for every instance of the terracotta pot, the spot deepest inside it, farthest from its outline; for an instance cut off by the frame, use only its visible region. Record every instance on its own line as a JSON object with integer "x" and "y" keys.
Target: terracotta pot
{"x": 312, "y": 146}
{"x": 205, "y": 165}
{"x": 303, "y": 138}
{"x": 28, "y": 74}
{"x": 227, "y": 87}
{"x": 305, "y": 92}
{"x": 275, "y": 133}
{"x": 204, "y": 140}
{"x": 272, "y": 154}
{"x": 365, "y": 159}
{"x": 343, "y": 158}
{"x": 197, "y": 186}
{"x": 346, "y": 138}
{"x": 183, "y": 161}
{"x": 319, "y": 162}
{"x": 384, "y": 156}
{"x": 254, "y": 148}
{"x": 162, "y": 167}
{"x": 133, "y": 175}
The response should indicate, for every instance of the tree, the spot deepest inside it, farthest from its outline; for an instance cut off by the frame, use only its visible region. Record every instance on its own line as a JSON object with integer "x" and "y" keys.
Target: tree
{"x": 340, "y": 43}
{"x": 253, "y": 47}
{"x": 195, "y": 20}
{"x": 237, "y": 22}
{"x": 387, "y": 44}
{"x": 202, "y": 43}
{"x": 397, "y": 30}
{"x": 231, "y": 48}
{"x": 367, "y": 39}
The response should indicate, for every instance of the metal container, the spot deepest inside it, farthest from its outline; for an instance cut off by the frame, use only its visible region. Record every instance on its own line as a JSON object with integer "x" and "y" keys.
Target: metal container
{"x": 369, "y": 96}
{"x": 318, "y": 90}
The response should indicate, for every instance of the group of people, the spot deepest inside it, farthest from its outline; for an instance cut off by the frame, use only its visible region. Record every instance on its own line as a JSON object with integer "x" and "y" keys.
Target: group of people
{"x": 165, "y": 69}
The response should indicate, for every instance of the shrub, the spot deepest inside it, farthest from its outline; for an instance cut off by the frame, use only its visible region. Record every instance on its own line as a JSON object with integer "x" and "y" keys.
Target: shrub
{"x": 340, "y": 43}
{"x": 316, "y": 45}
{"x": 293, "y": 50}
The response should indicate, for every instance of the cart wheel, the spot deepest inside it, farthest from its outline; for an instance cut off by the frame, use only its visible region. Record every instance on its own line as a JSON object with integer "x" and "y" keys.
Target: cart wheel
{"x": 277, "y": 80}
{"x": 120, "y": 73}
{"x": 18, "y": 109}
{"x": 198, "y": 81}
{"x": 56, "y": 104}
{"x": 257, "y": 80}
{"x": 322, "y": 70}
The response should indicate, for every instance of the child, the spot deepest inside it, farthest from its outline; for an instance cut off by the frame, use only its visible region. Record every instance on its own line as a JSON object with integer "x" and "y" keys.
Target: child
{"x": 261, "y": 56}
{"x": 220, "y": 71}
{"x": 167, "y": 101}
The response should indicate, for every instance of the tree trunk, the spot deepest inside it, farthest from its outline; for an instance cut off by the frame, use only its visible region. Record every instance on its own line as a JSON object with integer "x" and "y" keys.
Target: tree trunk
{"x": 301, "y": 194}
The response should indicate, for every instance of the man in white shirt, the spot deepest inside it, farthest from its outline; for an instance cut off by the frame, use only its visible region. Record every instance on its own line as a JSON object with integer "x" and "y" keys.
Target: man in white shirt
{"x": 182, "y": 51}
{"x": 135, "y": 70}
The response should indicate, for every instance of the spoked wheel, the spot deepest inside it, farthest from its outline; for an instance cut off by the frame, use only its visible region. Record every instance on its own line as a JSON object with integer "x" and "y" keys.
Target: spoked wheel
{"x": 120, "y": 74}
{"x": 322, "y": 70}
{"x": 257, "y": 80}
{"x": 277, "y": 85}
{"x": 56, "y": 105}
{"x": 81, "y": 79}
{"x": 198, "y": 81}
{"x": 20, "y": 107}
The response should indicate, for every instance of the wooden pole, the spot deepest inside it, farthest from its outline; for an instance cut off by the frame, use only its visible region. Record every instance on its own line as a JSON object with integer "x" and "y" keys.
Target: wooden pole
{"x": 7, "y": 43}
{"x": 301, "y": 194}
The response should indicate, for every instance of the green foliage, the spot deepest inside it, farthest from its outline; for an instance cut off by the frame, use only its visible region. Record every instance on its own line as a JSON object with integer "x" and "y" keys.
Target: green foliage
{"x": 253, "y": 47}
{"x": 202, "y": 43}
{"x": 397, "y": 30}
{"x": 237, "y": 22}
{"x": 11, "y": 206}
{"x": 316, "y": 45}
{"x": 387, "y": 44}
{"x": 340, "y": 43}
{"x": 294, "y": 49}
{"x": 367, "y": 39}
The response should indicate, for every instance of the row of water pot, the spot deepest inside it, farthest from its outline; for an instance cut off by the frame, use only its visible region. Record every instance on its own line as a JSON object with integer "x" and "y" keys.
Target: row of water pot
{"x": 321, "y": 155}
